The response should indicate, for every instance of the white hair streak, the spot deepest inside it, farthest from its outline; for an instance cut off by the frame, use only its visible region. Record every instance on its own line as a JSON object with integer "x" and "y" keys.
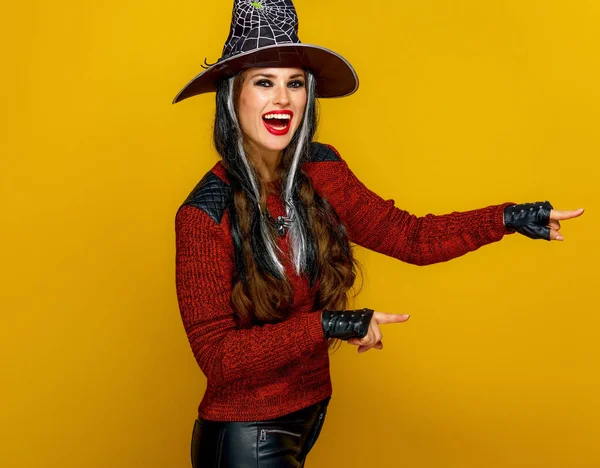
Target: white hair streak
{"x": 297, "y": 229}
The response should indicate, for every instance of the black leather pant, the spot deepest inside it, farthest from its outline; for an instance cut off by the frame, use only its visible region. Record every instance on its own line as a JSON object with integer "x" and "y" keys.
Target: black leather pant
{"x": 282, "y": 442}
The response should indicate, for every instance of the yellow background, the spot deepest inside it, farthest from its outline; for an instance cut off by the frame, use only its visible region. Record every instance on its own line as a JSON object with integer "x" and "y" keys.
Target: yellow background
{"x": 462, "y": 104}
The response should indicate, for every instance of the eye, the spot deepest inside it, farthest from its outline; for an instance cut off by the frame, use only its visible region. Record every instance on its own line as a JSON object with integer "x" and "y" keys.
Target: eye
{"x": 296, "y": 84}
{"x": 262, "y": 82}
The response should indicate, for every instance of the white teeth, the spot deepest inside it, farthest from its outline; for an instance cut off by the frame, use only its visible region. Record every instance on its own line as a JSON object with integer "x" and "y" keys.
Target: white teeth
{"x": 278, "y": 116}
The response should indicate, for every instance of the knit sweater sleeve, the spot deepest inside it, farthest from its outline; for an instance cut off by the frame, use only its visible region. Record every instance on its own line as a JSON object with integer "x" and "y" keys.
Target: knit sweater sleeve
{"x": 224, "y": 352}
{"x": 377, "y": 224}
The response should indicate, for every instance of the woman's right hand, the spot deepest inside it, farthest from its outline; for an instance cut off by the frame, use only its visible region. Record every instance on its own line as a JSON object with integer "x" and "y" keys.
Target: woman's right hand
{"x": 373, "y": 338}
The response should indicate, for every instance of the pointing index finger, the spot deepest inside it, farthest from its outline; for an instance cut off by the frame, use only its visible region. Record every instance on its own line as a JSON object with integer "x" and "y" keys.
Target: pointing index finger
{"x": 565, "y": 214}
{"x": 390, "y": 318}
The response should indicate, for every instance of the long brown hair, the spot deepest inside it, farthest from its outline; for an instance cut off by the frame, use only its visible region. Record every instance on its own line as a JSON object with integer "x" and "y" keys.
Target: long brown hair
{"x": 260, "y": 293}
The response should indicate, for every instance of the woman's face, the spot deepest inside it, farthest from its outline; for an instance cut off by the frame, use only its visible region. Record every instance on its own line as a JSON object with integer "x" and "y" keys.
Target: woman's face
{"x": 271, "y": 105}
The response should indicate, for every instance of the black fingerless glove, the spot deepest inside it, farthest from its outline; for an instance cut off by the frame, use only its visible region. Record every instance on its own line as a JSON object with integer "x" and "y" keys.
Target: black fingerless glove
{"x": 529, "y": 219}
{"x": 346, "y": 324}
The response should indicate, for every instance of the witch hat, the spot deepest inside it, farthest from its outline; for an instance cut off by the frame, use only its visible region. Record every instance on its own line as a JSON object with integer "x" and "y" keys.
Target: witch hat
{"x": 264, "y": 33}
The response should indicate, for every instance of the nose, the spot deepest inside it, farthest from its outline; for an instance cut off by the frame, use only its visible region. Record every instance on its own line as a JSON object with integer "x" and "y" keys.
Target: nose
{"x": 281, "y": 95}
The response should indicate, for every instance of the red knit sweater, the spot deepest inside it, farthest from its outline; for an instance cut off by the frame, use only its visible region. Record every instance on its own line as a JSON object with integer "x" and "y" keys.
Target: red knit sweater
{"x": 267, "y": 371}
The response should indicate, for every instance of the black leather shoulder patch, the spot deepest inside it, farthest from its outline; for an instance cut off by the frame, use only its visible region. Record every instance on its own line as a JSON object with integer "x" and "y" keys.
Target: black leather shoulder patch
{"x": 320, "y": 153}
{"x": 211, "y": 195}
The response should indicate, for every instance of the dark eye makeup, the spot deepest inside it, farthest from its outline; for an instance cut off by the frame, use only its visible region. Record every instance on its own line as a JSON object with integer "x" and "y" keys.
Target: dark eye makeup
{"x": 267, "y": 83}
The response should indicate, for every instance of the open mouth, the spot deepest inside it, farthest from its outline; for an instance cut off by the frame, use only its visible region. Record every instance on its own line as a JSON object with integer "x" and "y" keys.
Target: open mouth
{"x": 278, "y": 123}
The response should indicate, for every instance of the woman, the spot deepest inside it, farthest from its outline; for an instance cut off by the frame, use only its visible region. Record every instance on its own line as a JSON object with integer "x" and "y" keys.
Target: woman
{"x": 264, "y": 262}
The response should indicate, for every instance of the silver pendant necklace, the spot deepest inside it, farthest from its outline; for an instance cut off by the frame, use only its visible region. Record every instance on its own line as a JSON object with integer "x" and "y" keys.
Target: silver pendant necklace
{"x": 282, "y": 223}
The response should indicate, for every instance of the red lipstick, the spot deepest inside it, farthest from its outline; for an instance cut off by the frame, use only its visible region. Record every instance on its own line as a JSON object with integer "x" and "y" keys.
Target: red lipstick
{"x": 270, "y": 124}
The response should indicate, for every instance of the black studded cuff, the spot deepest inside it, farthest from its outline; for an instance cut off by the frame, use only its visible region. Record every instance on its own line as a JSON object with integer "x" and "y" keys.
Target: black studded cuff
{"x": 529, "y": 219}
{"x": 346, "y": 324}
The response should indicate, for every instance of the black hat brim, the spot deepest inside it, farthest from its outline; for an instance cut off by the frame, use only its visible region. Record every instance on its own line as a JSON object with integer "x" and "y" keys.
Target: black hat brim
{"x": 334, "y": 75}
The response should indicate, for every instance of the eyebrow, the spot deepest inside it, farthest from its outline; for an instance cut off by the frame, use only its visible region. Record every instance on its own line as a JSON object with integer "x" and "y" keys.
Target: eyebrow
{"x": 273, "y": 76}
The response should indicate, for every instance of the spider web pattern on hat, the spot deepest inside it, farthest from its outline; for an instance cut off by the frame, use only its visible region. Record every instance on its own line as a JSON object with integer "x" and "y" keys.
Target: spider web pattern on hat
{"x": 264, "y": 33}
{"x": 261, "y": 23}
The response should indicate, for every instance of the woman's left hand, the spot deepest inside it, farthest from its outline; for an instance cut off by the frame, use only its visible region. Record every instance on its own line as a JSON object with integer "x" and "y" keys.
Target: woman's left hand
{"x": 537, "y": 220}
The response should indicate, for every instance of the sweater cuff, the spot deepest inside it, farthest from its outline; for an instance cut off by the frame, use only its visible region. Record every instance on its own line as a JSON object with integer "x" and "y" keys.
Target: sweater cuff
{"x": 498, "y": 229}
{"x": 314, "y": 327}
